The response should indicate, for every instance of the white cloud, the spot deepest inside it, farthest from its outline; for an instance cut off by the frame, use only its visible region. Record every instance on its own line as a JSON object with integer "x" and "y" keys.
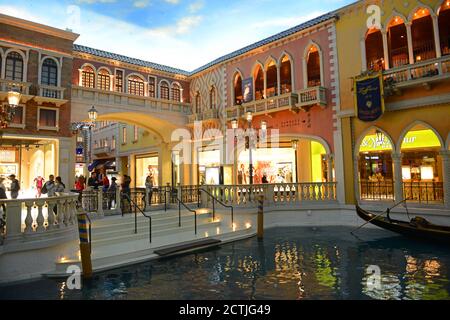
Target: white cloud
{"x": 196, "y": 6}
{"x": 172, "y": 1}
{"x": 182, "y": 26}
{"x": 285, "y": 22}
{"x": 141, "y": 3}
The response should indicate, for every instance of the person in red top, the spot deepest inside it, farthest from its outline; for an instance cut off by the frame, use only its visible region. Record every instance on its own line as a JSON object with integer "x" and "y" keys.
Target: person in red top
{"x": 39, "y": 183}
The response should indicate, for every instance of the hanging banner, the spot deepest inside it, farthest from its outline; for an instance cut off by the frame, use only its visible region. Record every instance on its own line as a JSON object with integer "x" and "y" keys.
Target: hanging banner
{"x": 369, "y": 99}
{"x": 247, "y": 89}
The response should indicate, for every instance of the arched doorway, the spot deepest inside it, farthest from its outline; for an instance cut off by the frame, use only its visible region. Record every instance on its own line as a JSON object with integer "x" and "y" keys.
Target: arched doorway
{"x": 444, "y": 27}
{"x": 422, "y": 34}
{"x": 259, "y": 82}
{"x": 375, "y": 167}
{"x": 397, "y": 43}
{"x": 374, "y": 50}
{"x": 272, "y": 79}
{"x": 422, "y": 170}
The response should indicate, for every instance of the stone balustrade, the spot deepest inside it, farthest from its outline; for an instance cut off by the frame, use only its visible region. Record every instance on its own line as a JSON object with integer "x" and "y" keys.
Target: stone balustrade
{"x": 38, "y": 216}
{"x": 274, "y": 194}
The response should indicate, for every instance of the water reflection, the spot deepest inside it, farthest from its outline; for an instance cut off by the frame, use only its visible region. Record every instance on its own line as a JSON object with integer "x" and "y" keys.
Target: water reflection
{"x": 291, "y": 263}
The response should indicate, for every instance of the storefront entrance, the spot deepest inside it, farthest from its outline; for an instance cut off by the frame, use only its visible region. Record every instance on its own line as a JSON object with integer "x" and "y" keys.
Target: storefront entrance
{"x": 147, "y": 165}
{"x": 209, "y": 169}
{"x": 27, "y": 160}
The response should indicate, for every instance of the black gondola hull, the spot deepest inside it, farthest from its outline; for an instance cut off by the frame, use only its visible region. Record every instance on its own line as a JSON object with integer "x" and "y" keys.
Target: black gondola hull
{"x": 433, "y": 232}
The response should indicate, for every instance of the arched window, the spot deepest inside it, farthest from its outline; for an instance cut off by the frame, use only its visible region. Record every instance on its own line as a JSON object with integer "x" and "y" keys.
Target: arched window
{"x": 237, "y": 88}
{"x": 87, "y": 77}
{"x": 422, "y": 33}
{"x": 164, "y": 90}
{"x": 212, "y": 98}
{"x": 313, "y": 67}
{"x": 272, "y": 79}
{"x": 14, "y": 67}
{"x": 374, "y": 50}
{"x": 176, "y": 92}
{"x": 136, "y": 85}
{"x": 104, "y": 80}
{"x": 198, "y": 101}
{"x": 444, "y": 27}
{"x": 397, "y": 43}
{"x": 259, "y": 83}
{"x": 49, "y": 73}
{"x": 286, "y": 75}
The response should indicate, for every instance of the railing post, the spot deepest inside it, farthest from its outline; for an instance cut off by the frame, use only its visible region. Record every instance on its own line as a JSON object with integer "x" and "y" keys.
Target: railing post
{"x": 118, "y": 201}
{"x": 13, "y": 219}
{"x": 100, "y": 203}
{"x": 260, "y": 217}
{"x": 179, "y": 213}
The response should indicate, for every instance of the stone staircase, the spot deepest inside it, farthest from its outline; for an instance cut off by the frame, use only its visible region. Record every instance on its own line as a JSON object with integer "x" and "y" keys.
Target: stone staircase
{"x": 115, "y": 243}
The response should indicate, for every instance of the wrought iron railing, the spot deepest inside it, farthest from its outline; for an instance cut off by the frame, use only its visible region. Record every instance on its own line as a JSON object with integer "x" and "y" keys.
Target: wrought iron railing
{"x": 424, "y": 192}
{"x": 376, "y": 190}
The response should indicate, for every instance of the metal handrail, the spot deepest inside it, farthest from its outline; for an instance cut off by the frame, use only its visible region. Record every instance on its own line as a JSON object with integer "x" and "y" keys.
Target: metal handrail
{"x": 215, "y": 199}
{"x": 136, "y": 207}
{"x": 181, "y": 203}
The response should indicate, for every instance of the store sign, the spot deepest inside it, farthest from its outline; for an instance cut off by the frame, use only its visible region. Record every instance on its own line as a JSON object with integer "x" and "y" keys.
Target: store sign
{"x": 369, "y": 98}
{"x": 7, "y": 156}
{"x": 413, "y": 140}
{"x": 247, "y": 89}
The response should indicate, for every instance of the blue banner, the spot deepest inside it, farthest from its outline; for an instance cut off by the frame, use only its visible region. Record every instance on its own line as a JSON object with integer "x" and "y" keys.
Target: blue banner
{"x": 247, "y": 90}
{"x": 369, "y": 98}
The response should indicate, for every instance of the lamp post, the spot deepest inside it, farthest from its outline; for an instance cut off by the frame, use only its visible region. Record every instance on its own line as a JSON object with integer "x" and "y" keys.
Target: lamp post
{"x": 92, "y": 113}
{"x": 7, "y": 111}
{"x": 234, "y": 126}
{"x": 249, "y": 117}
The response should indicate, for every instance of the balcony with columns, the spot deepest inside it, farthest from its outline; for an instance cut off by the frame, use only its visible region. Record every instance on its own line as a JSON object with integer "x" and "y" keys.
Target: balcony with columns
{"x": 411, "y": 52}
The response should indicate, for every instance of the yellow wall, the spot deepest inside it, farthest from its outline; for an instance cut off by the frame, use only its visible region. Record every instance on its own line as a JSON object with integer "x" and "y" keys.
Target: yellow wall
{"x": 351, "y": 29}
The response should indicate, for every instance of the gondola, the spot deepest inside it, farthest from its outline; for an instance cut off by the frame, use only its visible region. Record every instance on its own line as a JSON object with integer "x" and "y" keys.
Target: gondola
{"x": 418, "y": 228}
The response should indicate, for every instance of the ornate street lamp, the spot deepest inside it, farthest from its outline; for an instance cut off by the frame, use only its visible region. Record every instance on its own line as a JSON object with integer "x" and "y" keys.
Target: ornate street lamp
{"x": 93, "y": 113}
{"x": 249, "y": 117}
{"x": 7, "y": 111}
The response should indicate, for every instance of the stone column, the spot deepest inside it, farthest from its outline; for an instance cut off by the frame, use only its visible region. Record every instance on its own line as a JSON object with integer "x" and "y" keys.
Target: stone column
{"x": 385, "y": 50}
{"x": 445, "y": 154}
{"x": 410, "y": 42}
{"x": 356, "y": 179}
{"x": 398, "y": 178}
{"x": 437, "y": 40}
{"x": 329, "y": 158}
{"x": 13, "y": 219}
{"x": 363, "y": 55}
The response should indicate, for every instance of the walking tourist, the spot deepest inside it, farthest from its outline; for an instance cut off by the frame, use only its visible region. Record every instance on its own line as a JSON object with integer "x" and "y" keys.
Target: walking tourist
{"x": 39, "y": 183}
{"x": 49, "y": 186}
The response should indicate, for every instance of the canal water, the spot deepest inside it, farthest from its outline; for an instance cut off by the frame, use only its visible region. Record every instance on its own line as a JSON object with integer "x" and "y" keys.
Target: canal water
{"x": 290, "y": 263}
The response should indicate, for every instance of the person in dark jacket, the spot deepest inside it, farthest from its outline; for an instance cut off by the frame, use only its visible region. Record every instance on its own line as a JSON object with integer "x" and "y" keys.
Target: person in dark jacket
{"x": 93, "y": 181}
{"x": 15, "y": 186}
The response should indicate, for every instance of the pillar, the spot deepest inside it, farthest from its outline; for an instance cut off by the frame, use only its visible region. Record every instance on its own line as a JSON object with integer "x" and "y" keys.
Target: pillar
{"x": 304, "y": 161}
{"x": 445, "y": 155}
{"x": 329, "y": 158}
{"x": 385, "y": 49}
{"x": 165, "y": 163}
{"x": 437, "y": 40}
{"x": 363, "y": 55}
{"x": 356, "y": 178}
{"x": 398, "y": 178}
{"x": 65, "y": 160}
{"x": 410, "y": 42}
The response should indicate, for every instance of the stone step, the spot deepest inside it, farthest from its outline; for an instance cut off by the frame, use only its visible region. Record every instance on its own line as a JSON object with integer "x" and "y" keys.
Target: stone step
{"x": 144, "y": 233}
{"x": 106, "y": 232}
{"x": 138, "y": 251}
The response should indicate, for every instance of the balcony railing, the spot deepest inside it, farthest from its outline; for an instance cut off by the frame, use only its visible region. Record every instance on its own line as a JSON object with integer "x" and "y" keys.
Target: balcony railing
{"x": 43, "y": 217}
{"x": 101, "y": 150}
{"x": 124, "y": 99}
{"x": 421, "y": 72}
{"x": 273, "y": 104}
{"x": 51, "y": 92}
{"x": 205, "y": 115}
{"x": 312, "y": 96}
{"x": 274, "y": 194}
{"x": 7, "y": 85}
{"x": 377, "y": 190}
